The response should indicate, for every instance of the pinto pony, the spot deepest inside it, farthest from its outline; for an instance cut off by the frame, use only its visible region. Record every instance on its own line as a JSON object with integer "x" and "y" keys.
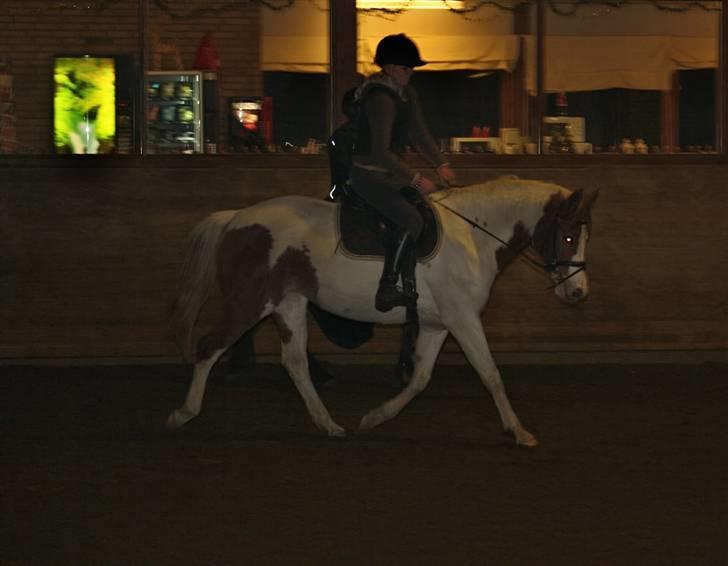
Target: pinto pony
{"x": 275, "y": 257}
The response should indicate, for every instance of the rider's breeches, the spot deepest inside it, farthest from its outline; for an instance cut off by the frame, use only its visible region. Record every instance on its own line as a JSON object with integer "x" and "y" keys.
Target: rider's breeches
{"x": 381, "y": 193}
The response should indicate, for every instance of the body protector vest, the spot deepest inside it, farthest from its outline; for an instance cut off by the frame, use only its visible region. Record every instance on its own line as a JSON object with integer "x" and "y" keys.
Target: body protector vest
{"x": 400, "y": 127}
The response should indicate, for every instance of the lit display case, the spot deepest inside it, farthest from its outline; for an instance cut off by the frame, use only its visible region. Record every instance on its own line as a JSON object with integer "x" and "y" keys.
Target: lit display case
{"x": 84, "y": 105}
{"x": 173, "y": 108}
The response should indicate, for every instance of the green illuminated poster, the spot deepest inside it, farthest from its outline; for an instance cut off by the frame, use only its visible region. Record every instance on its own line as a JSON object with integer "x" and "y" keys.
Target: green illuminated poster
{"x": 84, "y": 105}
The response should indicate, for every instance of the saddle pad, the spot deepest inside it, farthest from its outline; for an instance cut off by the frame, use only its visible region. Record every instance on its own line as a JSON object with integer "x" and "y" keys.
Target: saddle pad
{"x": 362, "y": 230}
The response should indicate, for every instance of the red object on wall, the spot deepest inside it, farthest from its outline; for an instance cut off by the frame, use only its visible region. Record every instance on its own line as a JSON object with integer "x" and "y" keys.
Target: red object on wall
{"x": 207, "y": 57}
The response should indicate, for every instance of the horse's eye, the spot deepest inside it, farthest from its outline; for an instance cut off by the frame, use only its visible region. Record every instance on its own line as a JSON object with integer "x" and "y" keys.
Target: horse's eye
{"x": 569, "y": 239}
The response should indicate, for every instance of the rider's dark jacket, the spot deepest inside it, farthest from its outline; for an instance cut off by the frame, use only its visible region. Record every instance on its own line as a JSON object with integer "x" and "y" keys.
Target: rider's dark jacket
{"x": 389, "y": 119}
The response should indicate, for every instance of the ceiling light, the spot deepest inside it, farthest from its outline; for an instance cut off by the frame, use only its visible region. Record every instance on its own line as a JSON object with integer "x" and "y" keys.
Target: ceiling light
{"x": 409, "y": 4}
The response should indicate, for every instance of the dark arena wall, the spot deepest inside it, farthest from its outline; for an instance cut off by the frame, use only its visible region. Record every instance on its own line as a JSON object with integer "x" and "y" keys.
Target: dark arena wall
{"x": 90, "y": 250}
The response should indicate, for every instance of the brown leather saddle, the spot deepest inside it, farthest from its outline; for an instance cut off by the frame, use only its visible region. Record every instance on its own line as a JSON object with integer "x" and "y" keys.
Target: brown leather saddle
{"x": 362, "y": 229}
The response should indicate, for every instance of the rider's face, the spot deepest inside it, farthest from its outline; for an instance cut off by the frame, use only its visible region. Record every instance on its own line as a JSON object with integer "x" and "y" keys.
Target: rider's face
{"x": 399, "y": 73}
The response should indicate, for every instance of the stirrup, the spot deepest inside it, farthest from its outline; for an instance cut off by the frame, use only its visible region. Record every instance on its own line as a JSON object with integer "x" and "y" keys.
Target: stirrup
{"x": 390, "y": 296}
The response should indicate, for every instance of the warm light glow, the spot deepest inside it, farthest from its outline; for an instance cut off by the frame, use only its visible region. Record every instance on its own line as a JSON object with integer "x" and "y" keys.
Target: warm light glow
{"x": 410, "y": 5}
{"x": 84, "y": 104}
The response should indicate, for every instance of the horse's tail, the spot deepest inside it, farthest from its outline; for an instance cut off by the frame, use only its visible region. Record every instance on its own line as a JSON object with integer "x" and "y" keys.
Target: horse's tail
{"x": 196, "y": 277}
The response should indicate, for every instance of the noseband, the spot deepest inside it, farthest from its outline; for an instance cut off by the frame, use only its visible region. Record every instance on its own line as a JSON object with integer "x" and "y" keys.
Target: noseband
{"x": 553, "y": 263}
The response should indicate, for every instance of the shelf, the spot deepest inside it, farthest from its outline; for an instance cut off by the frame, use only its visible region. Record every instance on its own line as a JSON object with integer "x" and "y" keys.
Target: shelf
{"x": 171, "y": 102}
{"x": 172, "y": 125}
{"x": 170, "y": 144}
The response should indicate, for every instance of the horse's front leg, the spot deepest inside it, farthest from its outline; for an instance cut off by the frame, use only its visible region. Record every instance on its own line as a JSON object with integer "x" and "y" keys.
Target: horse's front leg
{"x": 468, "y": 331}
{"x": 428, "y": 347}
{"x": 290, "y": 316}
{"x": 193, "y": 402}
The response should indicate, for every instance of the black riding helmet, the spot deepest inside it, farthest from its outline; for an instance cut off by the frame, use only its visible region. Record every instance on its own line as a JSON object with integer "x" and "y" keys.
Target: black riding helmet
{"x": 398, "y": 50}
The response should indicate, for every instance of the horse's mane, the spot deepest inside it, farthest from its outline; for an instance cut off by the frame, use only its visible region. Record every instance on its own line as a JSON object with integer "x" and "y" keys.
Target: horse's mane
{"x": 506, "y": 183}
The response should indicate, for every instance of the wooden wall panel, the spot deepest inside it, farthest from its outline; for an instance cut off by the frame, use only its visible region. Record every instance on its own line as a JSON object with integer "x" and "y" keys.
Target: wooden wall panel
{"x": 91, "y": 249}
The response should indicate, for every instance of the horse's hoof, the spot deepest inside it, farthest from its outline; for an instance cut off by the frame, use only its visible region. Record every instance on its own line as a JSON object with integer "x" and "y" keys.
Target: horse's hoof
{"x": 370, "y": 420}
{"x": 525, "y": 439}
{"x": 179, "y": 418}
{"x": 337, "y": 432}
{"x": 173, "y": 421}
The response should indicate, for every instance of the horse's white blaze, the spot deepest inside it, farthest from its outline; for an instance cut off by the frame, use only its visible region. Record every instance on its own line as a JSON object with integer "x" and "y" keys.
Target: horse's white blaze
{"x": 453, "y": 286}
{"x": 576, "y": 287}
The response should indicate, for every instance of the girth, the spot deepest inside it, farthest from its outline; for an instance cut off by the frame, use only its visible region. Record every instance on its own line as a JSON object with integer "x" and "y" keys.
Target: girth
{"x": 362, "y": 228}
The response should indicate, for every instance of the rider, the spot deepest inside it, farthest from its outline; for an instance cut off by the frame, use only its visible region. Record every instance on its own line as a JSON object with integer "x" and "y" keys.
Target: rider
{"x": 341, "y": 146}
{"x": 390, "y": 116}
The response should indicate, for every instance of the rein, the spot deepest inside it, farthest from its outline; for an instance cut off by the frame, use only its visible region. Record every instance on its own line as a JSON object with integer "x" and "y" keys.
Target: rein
{"x": 549, "y": 267}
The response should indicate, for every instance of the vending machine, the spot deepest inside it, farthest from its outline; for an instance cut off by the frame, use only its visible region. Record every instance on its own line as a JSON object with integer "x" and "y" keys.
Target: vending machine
{"x": 174, "y": 112}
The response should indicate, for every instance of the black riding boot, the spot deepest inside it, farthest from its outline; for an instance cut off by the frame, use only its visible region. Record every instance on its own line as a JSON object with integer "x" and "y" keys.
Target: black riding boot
{"x": 397, "y": 253}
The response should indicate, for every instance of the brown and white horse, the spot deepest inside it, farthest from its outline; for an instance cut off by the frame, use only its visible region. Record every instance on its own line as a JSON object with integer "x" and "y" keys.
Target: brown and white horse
{"x": 272, "y": 258}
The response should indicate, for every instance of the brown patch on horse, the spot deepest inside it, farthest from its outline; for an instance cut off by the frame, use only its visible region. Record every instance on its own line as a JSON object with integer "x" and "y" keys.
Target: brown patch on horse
{"x": 519, "y": 240}
{"x": 293, "y": 272}
{"x": 543, "y": 232}
{"x": 248, "y": 283}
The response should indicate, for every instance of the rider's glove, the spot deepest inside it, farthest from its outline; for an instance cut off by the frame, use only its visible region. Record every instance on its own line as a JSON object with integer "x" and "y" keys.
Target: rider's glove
{"x": 447, "y": 175}
{"x": 423, "y": 184}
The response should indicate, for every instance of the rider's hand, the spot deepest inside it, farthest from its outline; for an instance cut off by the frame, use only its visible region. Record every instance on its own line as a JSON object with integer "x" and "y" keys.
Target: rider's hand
{"x": 423, "y": 184}
{"x": 446, "y": 174}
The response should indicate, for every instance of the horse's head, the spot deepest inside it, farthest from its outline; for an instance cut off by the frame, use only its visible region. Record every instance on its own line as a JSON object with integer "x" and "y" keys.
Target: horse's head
{"x": 561, "y": 238}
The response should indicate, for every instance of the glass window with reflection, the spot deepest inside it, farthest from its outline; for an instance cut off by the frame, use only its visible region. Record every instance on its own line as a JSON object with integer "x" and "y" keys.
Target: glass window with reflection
{"x": 468, "y": 88}
{"x": 638, "y": 77}
{"x": 295, "y": 62}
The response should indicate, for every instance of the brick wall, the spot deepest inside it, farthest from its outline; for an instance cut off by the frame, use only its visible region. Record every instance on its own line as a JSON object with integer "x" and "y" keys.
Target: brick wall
{"x": 33, "y": 31}
{"x": 236, "y": 36}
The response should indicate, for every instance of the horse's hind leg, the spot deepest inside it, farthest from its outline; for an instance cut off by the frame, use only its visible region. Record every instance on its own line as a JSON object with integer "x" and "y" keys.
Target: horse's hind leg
{"x": 210, "y": 348}
{"x": 428, "y": 347}
{"x": 193, "y": 402}
{"x": 290, "y": 316}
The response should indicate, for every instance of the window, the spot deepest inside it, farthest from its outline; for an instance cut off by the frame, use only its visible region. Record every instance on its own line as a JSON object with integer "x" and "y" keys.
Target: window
{"x": 632, "y": 78}
{"x": 468, "y": 60}
{"x": 634, "y": 70}
{"x": 697, "y": 110}
{"x": 295, "y": 61}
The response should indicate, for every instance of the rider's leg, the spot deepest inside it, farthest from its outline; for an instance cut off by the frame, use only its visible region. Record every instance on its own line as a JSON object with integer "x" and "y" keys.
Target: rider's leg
{"x": 388, "y": 200}
{"x": 398, "y": 247}
{"x": 400, "y": 258}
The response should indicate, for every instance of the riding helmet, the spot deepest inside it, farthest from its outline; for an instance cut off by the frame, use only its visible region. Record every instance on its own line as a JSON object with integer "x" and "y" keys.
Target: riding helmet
{"x": 398, "y": 50}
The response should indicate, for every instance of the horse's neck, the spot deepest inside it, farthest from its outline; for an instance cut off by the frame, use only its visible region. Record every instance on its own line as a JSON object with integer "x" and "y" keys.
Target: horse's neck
{"x": 501, "y": 206}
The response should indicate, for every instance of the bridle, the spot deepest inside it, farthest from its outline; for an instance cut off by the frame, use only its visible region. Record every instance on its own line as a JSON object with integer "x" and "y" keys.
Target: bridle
{"x": 552, "y": 264}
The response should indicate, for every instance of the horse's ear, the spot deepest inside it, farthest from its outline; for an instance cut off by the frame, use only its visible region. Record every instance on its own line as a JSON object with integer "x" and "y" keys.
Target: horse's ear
{"x": 589, "y": 197}
{"x": 581, "y": 201}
